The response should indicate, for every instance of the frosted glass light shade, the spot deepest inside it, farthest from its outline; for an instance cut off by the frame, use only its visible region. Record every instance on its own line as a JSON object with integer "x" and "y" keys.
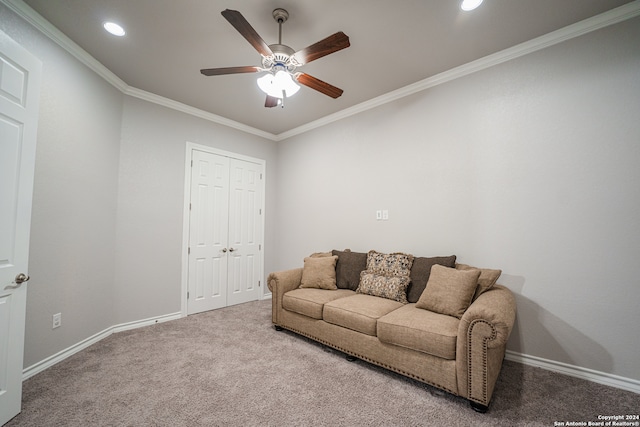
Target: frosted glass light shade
{"x": 275, "y": 85}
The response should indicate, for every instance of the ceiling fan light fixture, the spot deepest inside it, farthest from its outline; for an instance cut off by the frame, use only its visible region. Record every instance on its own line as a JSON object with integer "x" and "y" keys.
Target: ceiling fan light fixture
{"x": 276, "y": 85}
{"x": 468, "y": 5}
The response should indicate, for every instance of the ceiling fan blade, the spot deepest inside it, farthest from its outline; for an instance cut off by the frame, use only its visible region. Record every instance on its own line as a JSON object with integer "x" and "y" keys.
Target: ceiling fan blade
{"x": 271, "y": 102}
{"x": 333, "y": 43}
{"x": 236, "y": 19}
{"x": 229, "y": 70}
{"x": 318, "y": 85}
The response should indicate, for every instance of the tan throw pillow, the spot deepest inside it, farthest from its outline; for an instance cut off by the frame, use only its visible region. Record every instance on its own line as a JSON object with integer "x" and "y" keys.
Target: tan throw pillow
{"x": 319, "y": 272}
{"x": 487, "y": 278}
{"x": 390, "y": 287}
{"x": 449, "y": 291}
{"x": 320, "y": 254}
{"x": 420, "y": 271}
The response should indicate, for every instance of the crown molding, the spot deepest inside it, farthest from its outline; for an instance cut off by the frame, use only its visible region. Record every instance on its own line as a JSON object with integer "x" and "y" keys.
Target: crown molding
{"x": 611, "y": 17}
{"x": 196, "y": 112}
{"x": 45, "y": 27}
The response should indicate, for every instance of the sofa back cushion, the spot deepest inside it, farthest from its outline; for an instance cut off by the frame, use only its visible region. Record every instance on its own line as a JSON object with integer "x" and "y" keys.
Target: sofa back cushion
{"x": 487, "y": 279}
{"x": 449, "y": 291}
{"x": 348, "y": 268}
{"x": 420, "y": 273}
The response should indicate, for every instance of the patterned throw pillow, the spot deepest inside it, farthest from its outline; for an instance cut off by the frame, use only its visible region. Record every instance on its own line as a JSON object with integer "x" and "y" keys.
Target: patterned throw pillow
{"x": 396, "y": 264}
{"x": 391, "y": 287}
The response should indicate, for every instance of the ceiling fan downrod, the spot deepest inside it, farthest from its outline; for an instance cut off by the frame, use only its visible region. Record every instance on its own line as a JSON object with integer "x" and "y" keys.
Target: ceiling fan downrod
{"x": 281, "y": 16}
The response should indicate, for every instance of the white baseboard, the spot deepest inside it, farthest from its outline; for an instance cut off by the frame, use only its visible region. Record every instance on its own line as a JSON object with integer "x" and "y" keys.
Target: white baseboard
{"x": 616, "y": 381}
{"x": 68, "y": 352}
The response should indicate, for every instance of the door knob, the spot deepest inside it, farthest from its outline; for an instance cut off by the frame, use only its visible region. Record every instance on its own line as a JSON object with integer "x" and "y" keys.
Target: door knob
{"x": 21, "y": 278}
{"x": 224, "y": 250}
{"x": 231, "y": 249}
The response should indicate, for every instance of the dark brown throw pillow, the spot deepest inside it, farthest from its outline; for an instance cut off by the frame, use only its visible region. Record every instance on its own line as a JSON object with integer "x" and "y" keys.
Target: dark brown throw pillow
{"x": 348, "y": 268}
{"x": 420, "y": 273}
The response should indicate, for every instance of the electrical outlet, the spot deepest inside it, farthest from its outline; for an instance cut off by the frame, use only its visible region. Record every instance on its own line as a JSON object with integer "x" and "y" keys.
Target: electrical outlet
{"x": 57, "y": 320}
{"x": 378, "y": 215}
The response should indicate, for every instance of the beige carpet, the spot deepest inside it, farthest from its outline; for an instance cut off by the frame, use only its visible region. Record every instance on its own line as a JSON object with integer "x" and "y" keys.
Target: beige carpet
{"x": 229, "y": 367}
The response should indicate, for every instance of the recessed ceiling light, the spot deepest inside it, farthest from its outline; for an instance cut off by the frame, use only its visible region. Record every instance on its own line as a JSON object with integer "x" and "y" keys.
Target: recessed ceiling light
{"x": 114, "y": 29}
{"x": 470, "y": 4}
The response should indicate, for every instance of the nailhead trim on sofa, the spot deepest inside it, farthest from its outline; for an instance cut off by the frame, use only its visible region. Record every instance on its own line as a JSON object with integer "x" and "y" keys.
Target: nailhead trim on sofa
{"x": 366, "y": 359}
{"x": 493, "y": 335}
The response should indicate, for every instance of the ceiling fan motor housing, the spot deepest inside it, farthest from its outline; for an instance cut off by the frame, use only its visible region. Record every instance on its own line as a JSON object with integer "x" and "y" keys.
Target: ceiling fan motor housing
{"x": 282, "y": 57}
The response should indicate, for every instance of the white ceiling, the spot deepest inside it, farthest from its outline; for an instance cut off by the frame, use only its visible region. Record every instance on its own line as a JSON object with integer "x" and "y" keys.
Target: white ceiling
{"x": 393, "y": 44}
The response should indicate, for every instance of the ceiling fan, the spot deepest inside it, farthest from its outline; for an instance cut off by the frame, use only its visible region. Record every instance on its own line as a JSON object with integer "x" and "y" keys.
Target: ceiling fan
{"x": 280, "y": 62}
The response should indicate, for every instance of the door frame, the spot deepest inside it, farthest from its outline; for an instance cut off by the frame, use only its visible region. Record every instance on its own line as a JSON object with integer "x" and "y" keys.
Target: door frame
{"x": 190, "y": 146}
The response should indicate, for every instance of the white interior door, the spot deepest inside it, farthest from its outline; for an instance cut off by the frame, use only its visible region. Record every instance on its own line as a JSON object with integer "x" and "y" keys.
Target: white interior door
{"x": 245, "y": 209}
{"x": 225, "y": 231}
{"x": 20, "y": 75}
{"x": 208, "y": 232}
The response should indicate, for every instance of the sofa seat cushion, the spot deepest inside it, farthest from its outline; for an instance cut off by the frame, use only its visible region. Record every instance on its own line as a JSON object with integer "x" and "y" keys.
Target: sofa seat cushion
{"x": 309, "y": 301}
{"x": 420, "y": 330}
{"x": 359, "y": 312}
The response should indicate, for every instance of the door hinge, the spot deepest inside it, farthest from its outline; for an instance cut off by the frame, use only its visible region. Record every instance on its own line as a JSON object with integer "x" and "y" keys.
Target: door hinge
{"x": 259, "y": 211}
{"x": 259, "y": 283}
{"x": 187, "y": 294}
{"x": 259, "y": 247}
{"x": 191, "y": 163}
{"x": 260, "y": 176}
{"x": 189, "y": 251}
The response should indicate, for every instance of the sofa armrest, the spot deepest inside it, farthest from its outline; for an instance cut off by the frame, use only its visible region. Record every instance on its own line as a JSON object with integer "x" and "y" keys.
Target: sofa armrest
{"x": 280, "y": 283}
{"x": 482, "y": 339}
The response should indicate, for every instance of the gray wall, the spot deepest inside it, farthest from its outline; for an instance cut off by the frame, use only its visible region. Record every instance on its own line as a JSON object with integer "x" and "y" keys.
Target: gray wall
{"x": 108, "y": 200}
{"x": 72, "y": 248}
{"x": 530, "y": 166}
{"x": 151, "y": 199}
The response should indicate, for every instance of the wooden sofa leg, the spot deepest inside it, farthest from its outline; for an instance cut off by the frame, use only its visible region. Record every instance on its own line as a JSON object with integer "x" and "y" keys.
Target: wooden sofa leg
{"x": 351, "y": 358}
{"x": 478, "y": 407}
{"x": 278, "y": 328}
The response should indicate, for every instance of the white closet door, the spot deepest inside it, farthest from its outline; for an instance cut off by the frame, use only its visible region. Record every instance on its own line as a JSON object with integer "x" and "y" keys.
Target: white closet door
{"x": 208, "y": 232}
{"x": 225, "y": 231}
{"x": 245, "y": 203}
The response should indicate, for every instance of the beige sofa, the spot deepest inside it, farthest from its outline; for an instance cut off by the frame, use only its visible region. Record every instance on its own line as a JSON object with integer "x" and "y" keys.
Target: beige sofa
{"x": 460, "y": 352}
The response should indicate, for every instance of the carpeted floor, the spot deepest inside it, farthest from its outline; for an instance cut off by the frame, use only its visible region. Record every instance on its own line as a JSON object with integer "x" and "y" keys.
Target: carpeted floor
{"x": 229, "y": 367}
